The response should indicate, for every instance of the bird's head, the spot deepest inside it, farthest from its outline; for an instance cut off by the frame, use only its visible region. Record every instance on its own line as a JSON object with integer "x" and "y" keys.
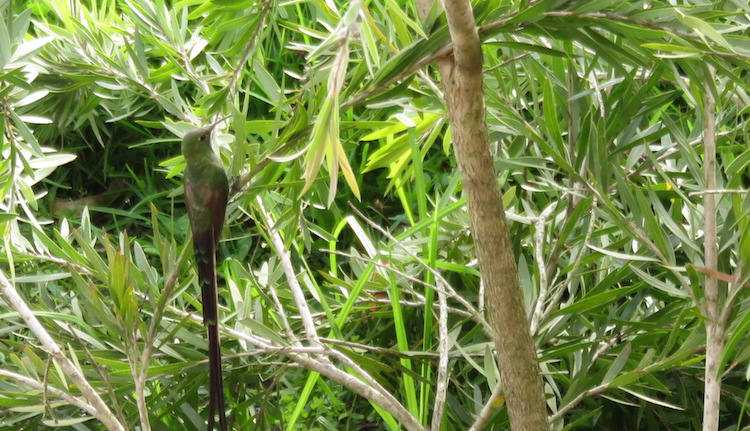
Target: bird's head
{"x": 198, "y": 140}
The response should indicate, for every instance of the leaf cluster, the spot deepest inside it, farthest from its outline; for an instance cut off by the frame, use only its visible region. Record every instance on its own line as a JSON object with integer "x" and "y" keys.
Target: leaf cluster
{"x": 595, "y": 111}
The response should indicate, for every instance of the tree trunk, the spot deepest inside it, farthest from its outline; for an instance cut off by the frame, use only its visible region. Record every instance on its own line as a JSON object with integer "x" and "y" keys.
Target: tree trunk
{"x": 714, "y": 320}
{"x": 516, "y": 352}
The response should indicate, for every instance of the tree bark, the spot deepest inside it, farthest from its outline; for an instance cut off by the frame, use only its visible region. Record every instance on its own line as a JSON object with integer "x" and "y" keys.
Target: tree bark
{"x": 515, "y": 350}
{"x": 714, "y": 324}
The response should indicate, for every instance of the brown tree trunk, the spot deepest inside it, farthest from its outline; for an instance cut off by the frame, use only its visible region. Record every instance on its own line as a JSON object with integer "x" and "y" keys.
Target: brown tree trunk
{"x": 516, "y": 352}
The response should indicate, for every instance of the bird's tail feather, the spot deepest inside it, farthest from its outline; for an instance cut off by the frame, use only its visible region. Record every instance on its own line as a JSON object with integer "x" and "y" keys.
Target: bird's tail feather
{"x": 216, "y": 398}
{"x": 205, "y": 258}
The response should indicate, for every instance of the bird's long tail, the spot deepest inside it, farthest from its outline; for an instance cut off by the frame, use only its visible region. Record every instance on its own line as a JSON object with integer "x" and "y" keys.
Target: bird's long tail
{"x": 206, "y": 262}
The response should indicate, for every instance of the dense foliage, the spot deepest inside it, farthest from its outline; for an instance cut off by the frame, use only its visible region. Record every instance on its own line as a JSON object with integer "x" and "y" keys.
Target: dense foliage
{"x": 596, "y": 114}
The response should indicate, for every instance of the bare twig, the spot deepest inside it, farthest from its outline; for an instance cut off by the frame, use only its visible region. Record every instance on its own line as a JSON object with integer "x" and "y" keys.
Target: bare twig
{"x": 102, "y": 412}
{"x": 283, "y": 254}
{"x": 386, "y": 267}
{"x": 247, "y": 51}
{"x": 718, "y": 192}
{"x": 65, "y": 396}
{"x": 140, "y": 367}
{"x": 486, "y": 413}
{"x": 272, "y": 290}
{"x": 438, "y": 276}
{"x": 397, "y": 354}
{"x": 166, "y": 294}
{"x": 442, "y": 377}
{"x": 539, "y": 235}
{"x": 306, "y": 357}
{"x": 574, "y": 402}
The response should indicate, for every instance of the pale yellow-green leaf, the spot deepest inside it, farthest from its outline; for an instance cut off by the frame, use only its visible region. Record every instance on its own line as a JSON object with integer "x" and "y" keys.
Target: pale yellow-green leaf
{"x": 394, "y": 9}
{"x": 385, "y": 131}
{"x": 670, "y": 47}
{"x": 331, "y": 158}
{"x": 702, "y": 28}
{"x": 346, "y": 169}
{"x": 398, "y": 147}
{"x": 317, "y": 148}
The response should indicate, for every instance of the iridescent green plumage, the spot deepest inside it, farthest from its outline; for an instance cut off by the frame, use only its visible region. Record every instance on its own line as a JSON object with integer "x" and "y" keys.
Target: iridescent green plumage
{"x": 206, "y": 194}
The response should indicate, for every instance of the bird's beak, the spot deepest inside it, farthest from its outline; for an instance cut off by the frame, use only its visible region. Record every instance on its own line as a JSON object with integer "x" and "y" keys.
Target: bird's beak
{"x": 216, "y": 123}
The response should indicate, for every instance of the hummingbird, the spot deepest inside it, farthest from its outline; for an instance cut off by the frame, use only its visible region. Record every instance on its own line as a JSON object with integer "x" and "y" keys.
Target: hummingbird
{"x": 206, "y": 195}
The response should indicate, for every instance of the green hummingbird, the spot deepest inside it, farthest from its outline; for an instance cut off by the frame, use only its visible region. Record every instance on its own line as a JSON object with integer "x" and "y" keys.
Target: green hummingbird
{"x": 206, "y": 195}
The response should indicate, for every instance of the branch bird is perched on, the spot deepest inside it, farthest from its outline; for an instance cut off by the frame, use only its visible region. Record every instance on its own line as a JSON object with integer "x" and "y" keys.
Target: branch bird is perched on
{"x": 206, "y": 194}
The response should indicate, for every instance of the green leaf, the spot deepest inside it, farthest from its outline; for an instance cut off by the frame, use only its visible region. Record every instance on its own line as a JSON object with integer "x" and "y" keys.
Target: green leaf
{"x": 702, "y": 29}
{"x": 591, "y": 302}
{"x": 617, "y": 366}
{"x": 622, "y": 256}
{"x": 660, "y": 284}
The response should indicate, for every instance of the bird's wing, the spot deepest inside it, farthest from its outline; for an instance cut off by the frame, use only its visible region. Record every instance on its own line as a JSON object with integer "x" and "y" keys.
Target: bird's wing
{"x": 206, "y": 209}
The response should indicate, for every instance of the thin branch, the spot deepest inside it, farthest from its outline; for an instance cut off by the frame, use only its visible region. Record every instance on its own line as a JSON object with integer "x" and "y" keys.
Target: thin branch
{"x": 718, "y": 192}
{"x": 438, "y": 276}
{"x": 605, "y": 16}
{"x": 140, "y": 367}
{"x": 65, "y": 396}
{"x": 272, "y": 290}
{"x": 283, "y": 254}
{"x": 539, "y": 235}
{"x": 605, "y": 346}
{"x": 487, "y": 409}
{"x": 302, "y": 355}
{"x": 397, "y": 354}
{"x": 669, "y": 152}
{"x": 419, "y": 296}
{"x": 447, "y": 48}
{"x": 574, "y": 402}
{"x": 388, "y": 398}
{"x": 62, "y": 262}
{"x": 412, "y": 304}
{"x": 442, "y": 377}
{"x": 386, "y": 267}
{"x": 169, "y": 285}
{"x": 247, "y": 51}
{"x": 102, "y": 412}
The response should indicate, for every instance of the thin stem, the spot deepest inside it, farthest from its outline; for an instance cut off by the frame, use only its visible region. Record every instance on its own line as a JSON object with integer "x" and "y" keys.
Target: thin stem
{"x": 102, "y": 411}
